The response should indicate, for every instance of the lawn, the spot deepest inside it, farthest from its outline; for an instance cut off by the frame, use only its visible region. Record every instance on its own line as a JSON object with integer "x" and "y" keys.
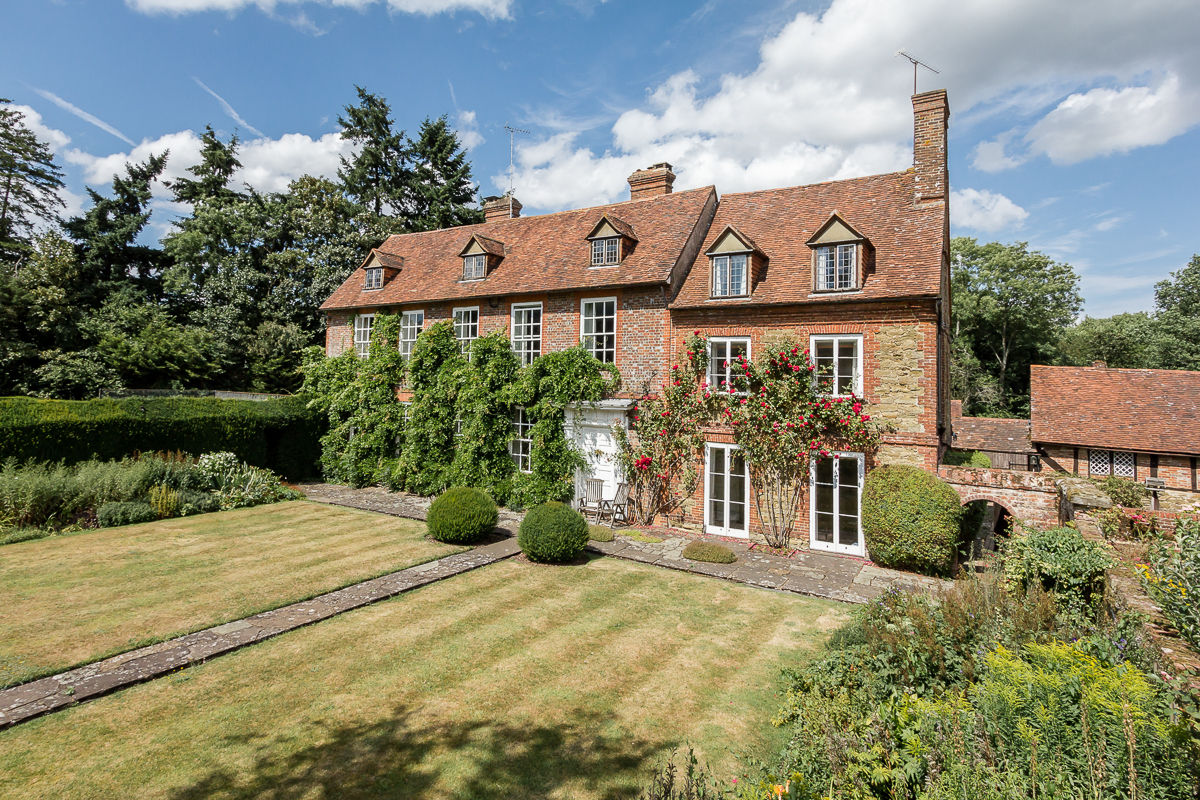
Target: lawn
{"x": 514, "y": 680}
{"x": 71, "y": 599}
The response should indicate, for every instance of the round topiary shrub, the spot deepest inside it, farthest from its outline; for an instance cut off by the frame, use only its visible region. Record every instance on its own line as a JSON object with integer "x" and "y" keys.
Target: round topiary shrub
{"x": 910, "y": 519}
{"x": 552, "y": 532}
{"x": 461, "y": 515}
{"x": 115, "y": 513}
{"x": 709, "y": 551}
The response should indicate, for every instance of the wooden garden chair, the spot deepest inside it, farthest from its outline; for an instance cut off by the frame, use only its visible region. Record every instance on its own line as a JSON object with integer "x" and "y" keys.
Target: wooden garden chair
{"x": 593, "y": 499}
{"x": 618, "y": 506}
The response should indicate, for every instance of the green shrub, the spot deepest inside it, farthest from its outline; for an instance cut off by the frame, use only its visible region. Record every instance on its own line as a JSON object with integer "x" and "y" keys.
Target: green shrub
{"x": 1062, "y": 562}
{"x": 117, "y": 513}
{"x": 967, "y": 458}
{"x": 600, "y": 533}
{"x": 1172, "y": 577}
{"x": 164, "y": 500}
{"x": 910, "y": 519}
{"x": 709, "y": 551}
{"x": 281, "y": 434}
{"x": 461, "y": 515}
{"x": 193, "y": 502}
{"x": 1124, "y": 492}
{"x": 553, "y": 532}
{"x": 238, "y": 484}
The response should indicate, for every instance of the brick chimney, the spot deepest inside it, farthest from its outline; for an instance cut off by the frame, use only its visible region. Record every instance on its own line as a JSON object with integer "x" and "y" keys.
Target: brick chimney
{"x": 931, "y": 113}
{"x": 503, "y": 207}
{"x": 652, "y": 181}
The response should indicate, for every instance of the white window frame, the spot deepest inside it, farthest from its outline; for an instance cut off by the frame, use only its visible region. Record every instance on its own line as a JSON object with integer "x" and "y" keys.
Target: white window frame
{"x": 606, "y": 251}
{"x": 724, "y": 372}
{"x": 363, "y": 325}
{"x": 727, "y": 260}
{"x": 843, "y": 270}
{"x": 606, "y": 354}
{"x": 837, "y": 339}
{"x": 474, "y": 267}
{"x": 520, "y": 447}
{"x": 1128, "y": 465}
{"x": 472, "y": 328}
{"x": 408, "y": 338}
{"x": 858, "y": 549}
{"x": 373, "y": 279}
{"x": 725, "y": 530}
{"x": 520, "y": 343}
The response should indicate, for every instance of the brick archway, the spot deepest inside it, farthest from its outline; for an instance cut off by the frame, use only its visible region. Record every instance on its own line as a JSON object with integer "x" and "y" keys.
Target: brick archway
{"x": 1026, "y": 496}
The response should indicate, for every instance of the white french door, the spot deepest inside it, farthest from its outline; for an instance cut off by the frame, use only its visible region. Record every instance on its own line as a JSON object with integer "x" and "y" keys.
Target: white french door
{"x": 726, "y": 483}
{"x": 835, "y": 504}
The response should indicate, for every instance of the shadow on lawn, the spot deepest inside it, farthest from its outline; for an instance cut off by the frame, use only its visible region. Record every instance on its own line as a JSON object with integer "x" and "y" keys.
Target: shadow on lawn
{"x": 495, "y": 759}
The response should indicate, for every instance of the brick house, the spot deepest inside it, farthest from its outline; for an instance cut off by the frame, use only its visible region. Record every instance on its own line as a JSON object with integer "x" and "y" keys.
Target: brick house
{"x": 857, "y": 270}
{"x": 1134, "y": 423}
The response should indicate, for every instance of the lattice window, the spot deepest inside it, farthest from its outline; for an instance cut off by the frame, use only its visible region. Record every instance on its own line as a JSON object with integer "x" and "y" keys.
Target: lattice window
{"x": 1099, "y": 462}
{"x": 1123, "y": 464}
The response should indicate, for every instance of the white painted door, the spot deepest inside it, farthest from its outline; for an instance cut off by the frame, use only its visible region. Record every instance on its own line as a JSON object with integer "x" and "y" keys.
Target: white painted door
{"x": 835, "y": 504}
{"x": 590, "y": 429}
{"x": 726, "y": 483}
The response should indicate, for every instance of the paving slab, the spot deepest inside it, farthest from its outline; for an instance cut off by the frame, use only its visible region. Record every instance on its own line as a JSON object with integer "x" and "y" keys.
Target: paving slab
{"x": 33, "y": 699}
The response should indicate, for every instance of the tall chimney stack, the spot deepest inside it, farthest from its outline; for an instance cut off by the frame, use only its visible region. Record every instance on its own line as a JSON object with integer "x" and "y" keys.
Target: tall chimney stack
{"x": 654, "y": 180}
{"x": 503, "y": 207}
{"x": 931, "y": 114}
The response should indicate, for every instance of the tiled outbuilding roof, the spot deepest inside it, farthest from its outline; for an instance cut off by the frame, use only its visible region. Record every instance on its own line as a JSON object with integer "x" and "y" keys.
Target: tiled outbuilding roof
{"x": 907, "y": 239}
{"x": 1145, "y": 410}
{"x": 543, "y": 253}
{"x": 989, "y": 433}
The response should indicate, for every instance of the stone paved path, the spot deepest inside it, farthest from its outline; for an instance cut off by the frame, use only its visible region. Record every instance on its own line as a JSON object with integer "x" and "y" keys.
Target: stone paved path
{"x": 851, "y": 580}
{"x": 45, "y": 695}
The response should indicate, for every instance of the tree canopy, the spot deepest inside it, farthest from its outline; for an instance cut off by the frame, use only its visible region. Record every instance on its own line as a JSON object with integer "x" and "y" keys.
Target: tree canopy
{"x": 30, "y": 182}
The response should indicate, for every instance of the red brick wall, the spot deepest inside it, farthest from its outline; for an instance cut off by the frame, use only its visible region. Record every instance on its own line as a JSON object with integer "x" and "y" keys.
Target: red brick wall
{"x": 1179, "y": 472}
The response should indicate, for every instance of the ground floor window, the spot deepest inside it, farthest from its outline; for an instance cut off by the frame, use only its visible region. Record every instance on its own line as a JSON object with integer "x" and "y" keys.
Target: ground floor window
{"x": 836, "y": 503}
{"x": 1111, "y": 462}
{"x": 521, "y": 447}
{"x": 726, "y": 484}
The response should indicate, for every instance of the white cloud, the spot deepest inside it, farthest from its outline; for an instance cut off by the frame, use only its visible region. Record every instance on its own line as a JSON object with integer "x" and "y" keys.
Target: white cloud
{"x": 992, "y": 156}
{"x": 1103, "y": 121}
{"x": 981, "y": 210}
{"x": 828, "y": 97}
{"x": 83, "y": 115}
{"x": 53, "y": 137}
{"x": 492, "y": 9}
{"x": 467, "y": 128}
{"x": 229, "y": 110}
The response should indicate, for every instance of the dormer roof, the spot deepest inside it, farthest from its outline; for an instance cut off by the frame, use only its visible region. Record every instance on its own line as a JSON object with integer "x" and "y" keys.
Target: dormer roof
{"x": 378, "y": 258}
{"x": 731, "y": 240}
{"x": 609, "y": 226}
{"x": 478, "y": 242}
{"x": 835, "y": 231}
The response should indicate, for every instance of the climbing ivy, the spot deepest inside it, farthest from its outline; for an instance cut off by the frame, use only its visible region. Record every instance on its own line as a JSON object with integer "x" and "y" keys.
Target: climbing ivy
{"x": 481, "y": 457}
{"x": 436, "y": 373}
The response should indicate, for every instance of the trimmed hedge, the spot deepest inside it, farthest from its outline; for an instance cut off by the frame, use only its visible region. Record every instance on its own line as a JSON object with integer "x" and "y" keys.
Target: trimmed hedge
{"x": 709, "y": 551}
{"x": 282, "y": 435}
{"x": 553, "y": 532}
{"x": 910, "y": 519}
{"x": 116, "y": 513}
{"x": 461, "y": 515}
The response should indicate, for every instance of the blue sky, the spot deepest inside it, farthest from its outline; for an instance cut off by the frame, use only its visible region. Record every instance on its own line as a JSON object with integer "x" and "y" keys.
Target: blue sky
{"x": 1075, "y": 126}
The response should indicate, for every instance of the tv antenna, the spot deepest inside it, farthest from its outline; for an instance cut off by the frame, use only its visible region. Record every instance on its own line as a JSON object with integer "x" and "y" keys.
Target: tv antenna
{"x": 916, "y": 63}
{"x": 512, "y": 134}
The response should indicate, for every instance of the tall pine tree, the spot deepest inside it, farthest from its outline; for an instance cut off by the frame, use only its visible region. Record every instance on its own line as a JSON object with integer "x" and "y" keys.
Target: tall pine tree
{"x": 210, "y": 182}
{"x": 441, "y": 192}
{"x": 29, "y": 183}
{"x": 376, "y": 174}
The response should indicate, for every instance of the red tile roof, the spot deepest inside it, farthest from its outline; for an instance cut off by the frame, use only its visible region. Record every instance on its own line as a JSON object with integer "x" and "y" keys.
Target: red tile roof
{"x": 542, "y": 253}
{"x": 908, "y": 240}
{"x": 991, "y": 433}
{"x": 1145, "y": 410}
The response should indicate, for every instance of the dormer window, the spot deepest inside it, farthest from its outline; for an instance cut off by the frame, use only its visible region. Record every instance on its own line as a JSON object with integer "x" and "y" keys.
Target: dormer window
{"x": 606, "y": 252}
{"x": 729, "y": 275}
{"x": 474, "y": 267}
{"x": 836, "y": 267}
{"x": 374, "y": 278}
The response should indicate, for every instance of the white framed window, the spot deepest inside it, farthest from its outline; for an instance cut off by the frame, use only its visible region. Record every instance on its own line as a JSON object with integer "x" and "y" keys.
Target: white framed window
{"x": 362, "y": 334}
{"x": 835, "y": 510}
{"x": 474, "y": 267}
{"x": 729, "y": 275}
{"x": 606, "y": 252}
{"x": 835, "y": 267}
{"x": 411, "y": 323}
{"x": 1112, "y": 462}
{"x": 726, "y": 487}
{"x": 527, "y": 331}
{"x": 374, "y": 278}
{"x": 598, "y": 328}
{"x": 723, "y": 359}
{"x": 521, "y": 447}
{"x": 466, "y": 327}
{"x": 838, "y": 362}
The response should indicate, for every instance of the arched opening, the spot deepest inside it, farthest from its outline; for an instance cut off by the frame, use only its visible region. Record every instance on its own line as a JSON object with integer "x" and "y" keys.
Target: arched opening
{"x": 984, "y": 526}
